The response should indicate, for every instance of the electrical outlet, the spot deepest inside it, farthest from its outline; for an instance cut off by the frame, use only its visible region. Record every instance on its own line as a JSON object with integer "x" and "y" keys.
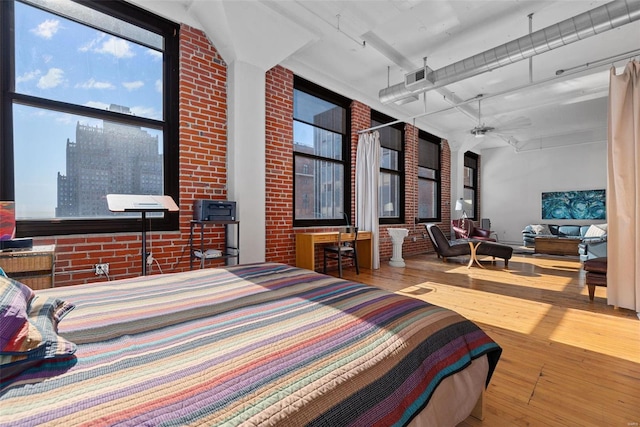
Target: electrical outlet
{"x": 101, "y": 269}
{"x": 149, "y": 258}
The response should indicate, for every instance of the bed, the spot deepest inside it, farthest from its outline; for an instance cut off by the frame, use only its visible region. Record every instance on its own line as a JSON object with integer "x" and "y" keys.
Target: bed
{"x": 255, "y": 344}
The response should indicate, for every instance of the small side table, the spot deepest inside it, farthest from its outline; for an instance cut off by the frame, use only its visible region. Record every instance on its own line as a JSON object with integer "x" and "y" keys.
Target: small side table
{"x": 473, "y": 244}
{"x": 33, "y": 267}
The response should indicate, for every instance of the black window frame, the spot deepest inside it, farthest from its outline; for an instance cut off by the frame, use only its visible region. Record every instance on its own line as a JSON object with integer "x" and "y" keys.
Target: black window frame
{"x": 378, "y": 118}
{"x": 432, "y": 139}
{"x": 169, "y": 125}
{"x": 320, "y": 92}
{"x": 472, "y": 161}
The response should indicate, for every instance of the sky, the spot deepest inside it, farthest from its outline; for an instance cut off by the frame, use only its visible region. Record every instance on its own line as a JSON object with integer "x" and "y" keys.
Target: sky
{"x": 59, "y": 59}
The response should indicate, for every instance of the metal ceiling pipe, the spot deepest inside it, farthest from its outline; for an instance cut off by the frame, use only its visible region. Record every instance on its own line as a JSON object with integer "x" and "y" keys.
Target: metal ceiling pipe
{"x": 579, "y": 27}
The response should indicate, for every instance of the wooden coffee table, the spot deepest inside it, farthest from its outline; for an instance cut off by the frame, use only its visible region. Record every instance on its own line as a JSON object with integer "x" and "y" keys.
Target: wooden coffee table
{"x": 556, "y": 246}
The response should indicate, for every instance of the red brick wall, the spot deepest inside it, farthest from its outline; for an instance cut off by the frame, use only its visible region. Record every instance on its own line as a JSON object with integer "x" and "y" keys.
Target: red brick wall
{"x": 203, "y": 76}
{"x": 280, "y": 245}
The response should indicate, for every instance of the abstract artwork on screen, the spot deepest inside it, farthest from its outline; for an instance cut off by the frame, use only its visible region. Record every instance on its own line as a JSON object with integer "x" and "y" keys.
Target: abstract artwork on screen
{"x": 588, "y": 204}
{"x": 7, "y": 220}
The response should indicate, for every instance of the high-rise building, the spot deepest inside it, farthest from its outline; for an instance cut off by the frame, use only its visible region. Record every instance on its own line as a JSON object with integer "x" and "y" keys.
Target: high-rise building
{"x": 114, "y": 159}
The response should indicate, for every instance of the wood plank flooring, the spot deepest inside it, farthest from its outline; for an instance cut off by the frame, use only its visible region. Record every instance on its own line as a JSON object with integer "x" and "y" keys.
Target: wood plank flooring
{"x": 566, "y": 361}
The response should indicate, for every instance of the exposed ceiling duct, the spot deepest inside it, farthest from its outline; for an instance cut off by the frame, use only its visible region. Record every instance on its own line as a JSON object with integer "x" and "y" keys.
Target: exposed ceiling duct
{"x": 592, "y": 22}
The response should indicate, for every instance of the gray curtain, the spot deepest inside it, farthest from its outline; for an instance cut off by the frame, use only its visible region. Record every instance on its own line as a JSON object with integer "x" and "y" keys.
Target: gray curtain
{"x": 367, "y": 178}
{"x": 623, "y": 189}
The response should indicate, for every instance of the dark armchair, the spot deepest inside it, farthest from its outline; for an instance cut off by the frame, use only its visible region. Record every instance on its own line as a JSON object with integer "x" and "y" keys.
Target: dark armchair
{"x": 465, "y": 229}
{"x": 443, "y": 247}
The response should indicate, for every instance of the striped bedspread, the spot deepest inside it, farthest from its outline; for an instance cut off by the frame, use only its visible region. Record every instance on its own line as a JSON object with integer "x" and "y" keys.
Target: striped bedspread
{"x": 260, "y": 344}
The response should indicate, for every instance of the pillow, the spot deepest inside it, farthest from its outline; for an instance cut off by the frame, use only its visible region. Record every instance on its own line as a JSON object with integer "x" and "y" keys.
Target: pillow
{"x": 38, "y": 340}
{"x": 14, "y": 303}
{"x": 596, "y": 231}
{"x": 541, "y": 229}
{"x": 536, "y": 228}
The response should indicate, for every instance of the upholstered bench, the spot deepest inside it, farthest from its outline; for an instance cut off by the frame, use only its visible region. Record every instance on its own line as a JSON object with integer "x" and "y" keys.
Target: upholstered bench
{"x": 596, "y": 269}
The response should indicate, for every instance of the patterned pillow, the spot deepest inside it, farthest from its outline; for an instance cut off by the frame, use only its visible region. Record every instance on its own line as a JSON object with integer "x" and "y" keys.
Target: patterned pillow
{"x": 14, "y": 303}
{"x": 596, "y": 231}
{"x": 541, "y": 229}
{"x": 36, "y": 339}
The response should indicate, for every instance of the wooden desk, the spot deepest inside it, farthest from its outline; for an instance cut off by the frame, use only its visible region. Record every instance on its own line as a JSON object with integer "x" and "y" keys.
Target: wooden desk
{"x": 306, "y": 253}
{"x": 33, "y": 267}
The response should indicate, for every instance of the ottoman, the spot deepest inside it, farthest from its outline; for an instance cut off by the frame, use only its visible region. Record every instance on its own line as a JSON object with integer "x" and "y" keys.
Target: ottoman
{"x": 596, "y": 269}
{"x": 496, "y": 250}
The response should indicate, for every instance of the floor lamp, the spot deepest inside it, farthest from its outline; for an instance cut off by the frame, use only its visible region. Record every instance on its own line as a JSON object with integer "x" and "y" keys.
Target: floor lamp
{"x": 460, "y": 207}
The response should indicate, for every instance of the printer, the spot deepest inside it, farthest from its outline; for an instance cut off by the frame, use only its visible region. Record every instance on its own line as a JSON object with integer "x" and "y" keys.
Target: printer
{"x": 214, "y": 210}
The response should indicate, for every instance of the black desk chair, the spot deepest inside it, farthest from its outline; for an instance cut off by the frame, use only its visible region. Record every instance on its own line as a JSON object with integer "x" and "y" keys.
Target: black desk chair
{"x": 345, "y": 248}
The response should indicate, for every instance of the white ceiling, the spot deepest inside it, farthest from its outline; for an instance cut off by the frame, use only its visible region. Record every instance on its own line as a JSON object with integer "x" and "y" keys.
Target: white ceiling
{"x": 358, "y": 47}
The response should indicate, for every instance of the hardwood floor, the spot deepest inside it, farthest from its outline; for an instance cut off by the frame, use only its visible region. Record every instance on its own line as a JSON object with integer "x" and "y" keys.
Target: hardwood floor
{"x": 566, "y": 361}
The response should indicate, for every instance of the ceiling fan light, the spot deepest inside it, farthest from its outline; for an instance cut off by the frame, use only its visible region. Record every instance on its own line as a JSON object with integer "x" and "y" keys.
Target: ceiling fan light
{"x": 478, "y": 133}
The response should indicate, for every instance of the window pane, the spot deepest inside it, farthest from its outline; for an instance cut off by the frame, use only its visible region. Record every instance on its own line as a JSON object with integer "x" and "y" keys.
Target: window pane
{"x": 390, "y": 137}
{"x": 318, "y": 189}
{"x": 426, "y": 173}
{"x": 388, "y": 159}
{"x": 101, "y": 20}
{"x": 427, "y": 193}
{"x": 470, "y": 162}
{"x": 63, "y": 60}
{"x": 469, "y": 199}
{"x": 312, "y": 140}
{"x": 389, "y": 195}
{"x": 428, "y": 176}
{"x": 318, "y": 112}
{"x": 468, "y": 177}
{"x": 67, "y": 164}
{"x": 428, "y": 154}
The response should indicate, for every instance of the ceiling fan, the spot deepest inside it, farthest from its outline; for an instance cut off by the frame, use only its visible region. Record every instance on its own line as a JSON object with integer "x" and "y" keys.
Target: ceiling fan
{"x": 481, "y": 129}
{"x": 505, "y": 127}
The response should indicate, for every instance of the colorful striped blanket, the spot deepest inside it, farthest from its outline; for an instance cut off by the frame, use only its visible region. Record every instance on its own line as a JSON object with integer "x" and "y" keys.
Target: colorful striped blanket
{"x": 258, "y": 344}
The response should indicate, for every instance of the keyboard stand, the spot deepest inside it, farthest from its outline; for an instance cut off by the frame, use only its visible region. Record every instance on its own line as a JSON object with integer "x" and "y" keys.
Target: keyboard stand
{"x": 142, "y": 204}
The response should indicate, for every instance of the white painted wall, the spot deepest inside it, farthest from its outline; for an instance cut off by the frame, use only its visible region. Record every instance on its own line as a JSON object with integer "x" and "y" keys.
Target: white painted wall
{"x": 246, "y": 156}
{"x": 512, "y": 183}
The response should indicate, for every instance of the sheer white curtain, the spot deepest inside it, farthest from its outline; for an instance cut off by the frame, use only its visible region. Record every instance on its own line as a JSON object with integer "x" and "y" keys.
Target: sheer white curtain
{"x": 623, "y": 189}
{"x": 367, "y": 177}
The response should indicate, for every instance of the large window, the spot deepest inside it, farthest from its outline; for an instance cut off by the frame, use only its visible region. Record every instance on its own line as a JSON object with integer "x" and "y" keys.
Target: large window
{"x": 428, "y": 177}
{"x": 321, "y": 156}
{"x": 89, "y": 108}
{"x": 471, "y": 184}
{"x": 391, "y": 186}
